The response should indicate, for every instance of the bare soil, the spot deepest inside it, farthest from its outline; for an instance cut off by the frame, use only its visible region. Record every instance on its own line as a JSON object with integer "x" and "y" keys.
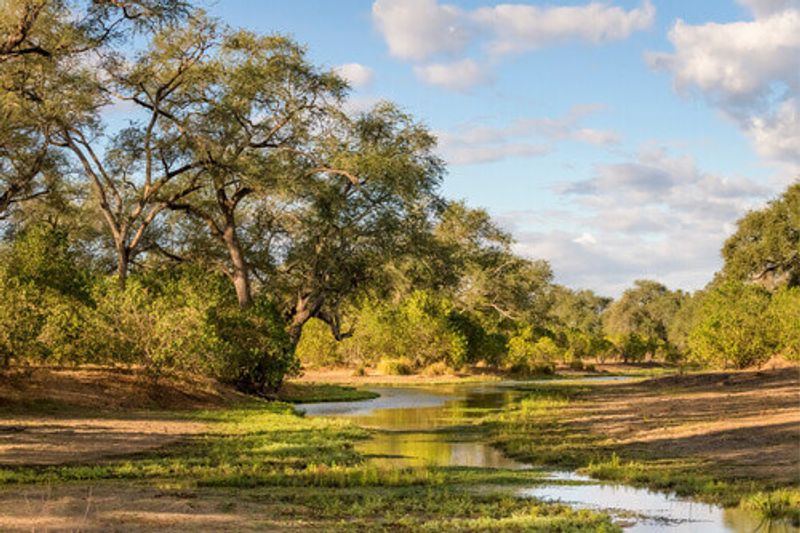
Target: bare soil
{"x": 745, "y": 424}
{"x": 51, "y": 416}
{"x": 132, "y": 507}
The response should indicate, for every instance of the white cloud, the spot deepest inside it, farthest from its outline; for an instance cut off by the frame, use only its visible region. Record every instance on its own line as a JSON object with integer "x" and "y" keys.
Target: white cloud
{"x": 458, "y": 76}
{"x": 458, "y": 153}
{"x": 737, "y": 62}
{"x": 520, "y": 27}
{"x": 749, "y": 70}
{"x": 418, "y": 29}
{"x": 777, "y": 135}
{"x": 656, "y": 216}
{"x": 767, "y": 7}
{"x": 356, "y": 74}
{"x": 529, "y": 137}
{"x": 421, "y": 30}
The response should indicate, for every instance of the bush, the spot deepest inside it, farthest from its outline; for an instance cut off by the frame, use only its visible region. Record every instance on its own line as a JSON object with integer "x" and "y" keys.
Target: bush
{"x": 255, "y": 352}
{"x": 396, "y": 367}
{"x": 318, "y": 348}
{"x": 733, "y": 328}
{"x": 784, "y": 315}
{"x": 527, "y": 353}
{"x": 21, "y": 318}
{"x": 436, "y": 369}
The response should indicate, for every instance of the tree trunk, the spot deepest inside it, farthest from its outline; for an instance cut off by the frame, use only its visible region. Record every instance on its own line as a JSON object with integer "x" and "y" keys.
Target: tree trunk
{"x": 241, "y": 273}
{"x": 304, "y": 309}
{"x": 123, "y": 262}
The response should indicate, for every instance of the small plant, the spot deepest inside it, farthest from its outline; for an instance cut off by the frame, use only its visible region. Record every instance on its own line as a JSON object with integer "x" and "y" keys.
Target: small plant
{"x": 777, "y": 505}
{"x": 396, "y": 367}
{"x": 436, "y": 369}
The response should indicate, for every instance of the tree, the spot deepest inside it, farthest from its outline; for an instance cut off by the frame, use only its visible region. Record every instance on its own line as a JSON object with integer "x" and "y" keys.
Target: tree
{"x": 138, "y": 176}
{"x": 255, "y": 111}
{"x": 42, "y": 45}
{"x": 307, "y": 200}
{"x": 765, "y": 248}
{"x": 492, "y": 281}
{"x": 643, "y": 313}
{"x": 732, "y": 328}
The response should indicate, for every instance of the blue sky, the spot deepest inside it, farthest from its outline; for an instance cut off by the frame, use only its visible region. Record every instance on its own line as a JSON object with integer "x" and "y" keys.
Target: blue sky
{"x": 616, "y": 140}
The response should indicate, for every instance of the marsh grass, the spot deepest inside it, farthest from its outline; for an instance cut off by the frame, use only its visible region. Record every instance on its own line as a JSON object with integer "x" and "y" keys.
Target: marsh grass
{"x": 322, "y": 392}
{"x": 263, "y": 459}
{"x": 783, "y": 503}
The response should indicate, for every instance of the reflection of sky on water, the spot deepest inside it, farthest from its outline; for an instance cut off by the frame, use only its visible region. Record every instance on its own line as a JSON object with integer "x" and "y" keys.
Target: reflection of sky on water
{"x": 660, "y": 511}
{"x": 404, "y": 414}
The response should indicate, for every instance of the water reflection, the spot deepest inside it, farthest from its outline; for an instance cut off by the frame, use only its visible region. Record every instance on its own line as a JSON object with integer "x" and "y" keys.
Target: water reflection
{"x": 410, "y": 424}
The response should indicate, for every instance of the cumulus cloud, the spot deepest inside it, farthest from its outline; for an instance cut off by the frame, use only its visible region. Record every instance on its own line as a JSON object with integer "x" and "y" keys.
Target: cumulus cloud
{"x": 767, "y": 7}
{"x": 421, "y": 30}
{"x": 356, "y": 74}
{"x": 750, "y": 70}
{"x": 458, "y": 76}
{"x": 520, "y": 27}
{"x": 777, "y": 135}
{"x": 418, "y": 29}
{"x": 656, "y": 216}
{"x": 527, "y": 137}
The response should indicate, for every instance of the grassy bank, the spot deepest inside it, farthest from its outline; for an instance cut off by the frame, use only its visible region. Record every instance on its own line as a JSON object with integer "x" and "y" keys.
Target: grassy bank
{"x": 722, "y": 438}
{"x": 261, "y": 466}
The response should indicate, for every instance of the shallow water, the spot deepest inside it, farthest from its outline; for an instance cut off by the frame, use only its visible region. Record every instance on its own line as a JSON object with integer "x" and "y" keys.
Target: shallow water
{"x": 430, "y": 426}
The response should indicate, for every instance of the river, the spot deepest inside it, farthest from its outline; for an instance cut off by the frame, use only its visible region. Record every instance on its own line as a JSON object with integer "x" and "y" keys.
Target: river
{"x": 429, "y": 426}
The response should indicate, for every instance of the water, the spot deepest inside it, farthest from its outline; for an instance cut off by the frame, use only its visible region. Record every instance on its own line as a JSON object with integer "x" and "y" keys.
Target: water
{"x": 420, "y": 426}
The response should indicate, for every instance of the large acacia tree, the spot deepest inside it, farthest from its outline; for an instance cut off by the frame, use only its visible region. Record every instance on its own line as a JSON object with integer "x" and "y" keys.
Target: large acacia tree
{"x": 44, "y": 48}
{"x": 295, "y": 198}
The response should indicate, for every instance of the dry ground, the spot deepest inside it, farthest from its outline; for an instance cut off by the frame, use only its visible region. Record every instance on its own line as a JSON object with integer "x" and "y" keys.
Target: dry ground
{"x": 54, "y": 416}
{"x": 134, "y": 507}
{"x": 747, "y": 423}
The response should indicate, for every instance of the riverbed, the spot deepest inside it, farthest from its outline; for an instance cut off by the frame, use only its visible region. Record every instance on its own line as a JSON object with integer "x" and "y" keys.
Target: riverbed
{"x": 434, "y": 426}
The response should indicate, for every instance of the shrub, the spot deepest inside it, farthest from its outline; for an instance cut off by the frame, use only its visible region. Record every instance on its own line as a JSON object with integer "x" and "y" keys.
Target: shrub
{"x": 436, "y": 369}
{"x": 526, "y": 353}
{"x": 317, "y": 347}
{"x": 255, "y": 352}
{"x": 396, "y": 367}
{"x": 784, "y": 314}
{"x": 21, "y": 318}
{"x": 733, "y": 329}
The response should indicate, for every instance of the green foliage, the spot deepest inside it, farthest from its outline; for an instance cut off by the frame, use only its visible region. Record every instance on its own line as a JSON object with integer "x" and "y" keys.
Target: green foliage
{"x": 732, "y": 329}
{"x": 396, "y": 367}
{"x": 528, "y": 352}
{"x": 255, "y": 352}
{"x": 20, "y": 320}
{"x": 42, "y": 256}
{"x": 419, "y": 330}
{"x": 766, "y": 245}
{"x": 784, "y": 315}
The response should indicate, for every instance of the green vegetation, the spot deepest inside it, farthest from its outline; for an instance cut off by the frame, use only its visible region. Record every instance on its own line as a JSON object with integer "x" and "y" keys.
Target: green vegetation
{"x": 308, "y": 468}
{"x": 322, "y": 392}
{"x": 241, "y": 224}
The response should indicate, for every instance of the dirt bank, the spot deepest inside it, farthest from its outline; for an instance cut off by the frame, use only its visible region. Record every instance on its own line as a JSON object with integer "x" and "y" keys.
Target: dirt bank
{"x": 740, "y": 425}
{"x": 51, "y": 416}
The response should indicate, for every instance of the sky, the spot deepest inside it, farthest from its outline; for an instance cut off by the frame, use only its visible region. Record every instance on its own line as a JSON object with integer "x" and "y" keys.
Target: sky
{"x": 617, "y": 140}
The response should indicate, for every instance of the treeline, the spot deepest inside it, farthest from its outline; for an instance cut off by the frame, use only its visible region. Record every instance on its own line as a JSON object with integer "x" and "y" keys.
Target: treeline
{"x": 180, "y": 195}
{"x": 747, "y": 314}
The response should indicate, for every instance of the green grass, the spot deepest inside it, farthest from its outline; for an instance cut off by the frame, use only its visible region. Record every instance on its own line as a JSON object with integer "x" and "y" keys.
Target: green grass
{"x": 265, "y": 459}
{"x": 322, "y": 392}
